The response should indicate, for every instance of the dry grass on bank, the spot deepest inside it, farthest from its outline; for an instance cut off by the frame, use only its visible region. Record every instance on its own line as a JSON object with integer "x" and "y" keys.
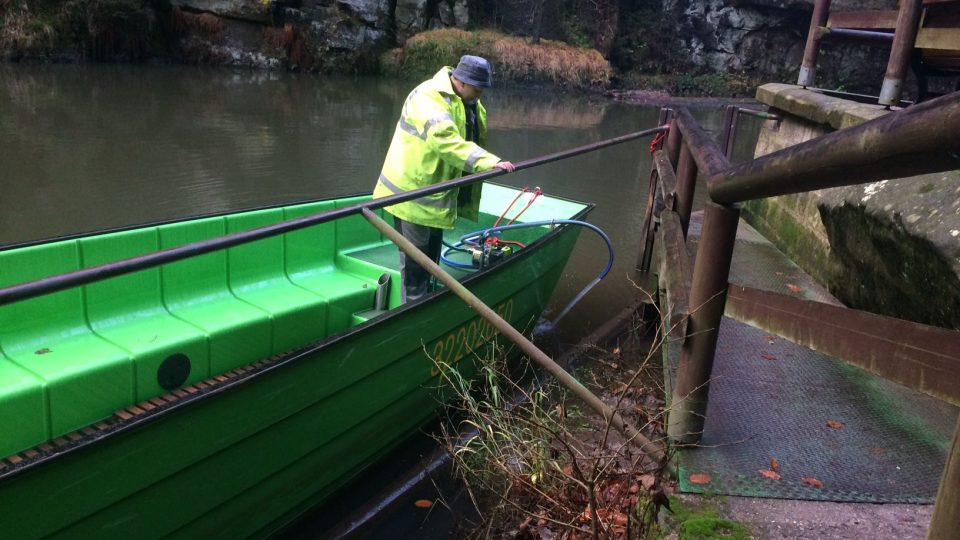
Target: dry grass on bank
{"x": 21, "y": 31}
{"x": 513, "y": 58}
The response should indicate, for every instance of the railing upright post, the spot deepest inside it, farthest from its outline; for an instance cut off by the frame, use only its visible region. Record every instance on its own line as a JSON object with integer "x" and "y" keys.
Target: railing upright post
{"x": 653, "y": 206}
{"x": 808, "y": 68}
{"x": 730, "y": 123}
{"x": 708, "y": 294}
{"x": 686, "y": 185}
{"x": 904, "y": 37}
{"x": 674, "y": 141}
{"x": 946, "y": 511}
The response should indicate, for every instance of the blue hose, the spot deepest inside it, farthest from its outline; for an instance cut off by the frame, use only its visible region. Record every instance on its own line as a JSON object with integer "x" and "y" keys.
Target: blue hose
{"x": 477, "y": 238}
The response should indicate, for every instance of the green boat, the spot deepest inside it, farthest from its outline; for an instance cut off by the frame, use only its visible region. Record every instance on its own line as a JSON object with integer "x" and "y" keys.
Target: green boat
{"x": 224, "y": 394}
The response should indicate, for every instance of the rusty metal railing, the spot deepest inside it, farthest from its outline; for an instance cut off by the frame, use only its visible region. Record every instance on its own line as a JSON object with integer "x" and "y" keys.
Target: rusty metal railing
{"x": 731, "y": 120}
{"x": 862, "y": 27}
{"x": 921, "y": 139}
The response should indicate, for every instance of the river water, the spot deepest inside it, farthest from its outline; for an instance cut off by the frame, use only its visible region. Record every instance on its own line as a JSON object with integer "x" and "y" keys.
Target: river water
{"x": 86, "y": 148}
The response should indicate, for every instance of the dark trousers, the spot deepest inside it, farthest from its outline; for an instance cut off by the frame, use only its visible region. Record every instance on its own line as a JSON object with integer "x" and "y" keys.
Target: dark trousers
{"x": 417, "y": 282}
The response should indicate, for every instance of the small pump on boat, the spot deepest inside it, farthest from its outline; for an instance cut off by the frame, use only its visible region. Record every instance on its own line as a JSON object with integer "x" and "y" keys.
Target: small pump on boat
{"x": 485, "y": 247}
{"x": 489, "y": 254}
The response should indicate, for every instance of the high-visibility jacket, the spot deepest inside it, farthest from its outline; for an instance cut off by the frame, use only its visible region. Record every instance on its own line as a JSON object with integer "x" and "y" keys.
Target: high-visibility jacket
{"x": 429, "y": 147}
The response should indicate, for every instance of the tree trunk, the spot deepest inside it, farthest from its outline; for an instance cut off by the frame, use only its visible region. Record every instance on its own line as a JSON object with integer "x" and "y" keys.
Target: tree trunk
{"x": 538, "y": 6}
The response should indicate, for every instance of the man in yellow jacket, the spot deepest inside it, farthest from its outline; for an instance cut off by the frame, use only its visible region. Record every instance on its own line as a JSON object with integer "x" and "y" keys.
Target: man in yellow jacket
{"x": 440, "y": 135}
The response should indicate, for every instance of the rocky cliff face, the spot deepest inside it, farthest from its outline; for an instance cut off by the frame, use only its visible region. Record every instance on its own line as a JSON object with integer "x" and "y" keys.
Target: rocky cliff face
{"x": 762, "y": 39}
{"x": 325, "y": 35}
{"x": 766, "y": 38}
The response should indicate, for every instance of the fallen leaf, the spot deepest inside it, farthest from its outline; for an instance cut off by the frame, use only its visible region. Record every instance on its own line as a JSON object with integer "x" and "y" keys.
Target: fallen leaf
{"x": 616, "y": 351}
{"x": 587, "y": 514}
{"x": 767, "y": 356}
{"x": 700, "y": 478}
{"x": 635, "y": 488}
{"x": 613, "y": 491}
{"x": 878, "y": 451}
{"x": 769, "y": 339}
{"x": 621, "y": 519}
{"x": 568, "y": 470}
{"x": 794, "y": 289}
{"x": 769, "y": 474}
{"x": 812, "y": 482}
{"x": 774, "y": 465}
{"x": 779, "y": 273}
{"x": 423, "y": 503}
{"x": 622, "y": 389}
{"x": 834, "y": 424}
{"x": 648, "y": 480}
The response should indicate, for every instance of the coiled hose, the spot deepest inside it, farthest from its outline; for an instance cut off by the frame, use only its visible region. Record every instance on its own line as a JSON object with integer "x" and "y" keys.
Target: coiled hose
{"x": 477, "y": 239}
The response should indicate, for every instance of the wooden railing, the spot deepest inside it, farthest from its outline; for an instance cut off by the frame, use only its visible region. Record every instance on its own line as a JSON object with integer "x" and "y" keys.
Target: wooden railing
{"x": 923, "y": 32}
{"x": 920, "y": 139}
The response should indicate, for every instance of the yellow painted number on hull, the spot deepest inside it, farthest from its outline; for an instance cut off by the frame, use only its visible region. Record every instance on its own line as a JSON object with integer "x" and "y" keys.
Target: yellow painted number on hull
{"x": 468, "y": 338}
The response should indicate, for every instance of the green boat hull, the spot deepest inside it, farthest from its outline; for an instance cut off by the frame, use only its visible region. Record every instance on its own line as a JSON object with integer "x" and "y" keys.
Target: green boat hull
{"x": 244, "y": 452}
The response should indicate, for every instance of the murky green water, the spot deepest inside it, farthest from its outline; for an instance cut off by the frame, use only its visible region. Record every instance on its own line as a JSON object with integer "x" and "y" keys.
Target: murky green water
{"x": 84, "y": 148}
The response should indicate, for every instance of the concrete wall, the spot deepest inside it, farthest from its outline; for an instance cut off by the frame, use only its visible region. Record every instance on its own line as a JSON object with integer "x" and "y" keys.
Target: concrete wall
{"x": 890, "y": 247}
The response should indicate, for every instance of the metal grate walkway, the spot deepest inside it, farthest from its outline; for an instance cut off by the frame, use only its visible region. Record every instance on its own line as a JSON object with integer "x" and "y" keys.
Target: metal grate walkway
{"x": 772, "y": 399}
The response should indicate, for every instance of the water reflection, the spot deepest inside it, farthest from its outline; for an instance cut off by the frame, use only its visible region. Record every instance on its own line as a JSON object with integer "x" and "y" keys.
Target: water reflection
{"x": 93, "y": 147}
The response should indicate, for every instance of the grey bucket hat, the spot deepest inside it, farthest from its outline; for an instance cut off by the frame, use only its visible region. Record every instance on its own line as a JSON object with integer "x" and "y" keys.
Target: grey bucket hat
{"x": 474, "y": 71}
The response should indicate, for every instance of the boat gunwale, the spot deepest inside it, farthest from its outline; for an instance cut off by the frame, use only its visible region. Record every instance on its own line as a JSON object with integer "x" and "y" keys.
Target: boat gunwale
{"x": 162, "y": 222}
{"x": 31, "y": 289}
{"x": 270, "y": 363}
{"x": 222, "y": 213}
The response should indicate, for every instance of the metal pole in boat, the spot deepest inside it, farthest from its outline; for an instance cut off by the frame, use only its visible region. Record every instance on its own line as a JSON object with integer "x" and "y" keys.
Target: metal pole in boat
{"x": 646, "y": 445}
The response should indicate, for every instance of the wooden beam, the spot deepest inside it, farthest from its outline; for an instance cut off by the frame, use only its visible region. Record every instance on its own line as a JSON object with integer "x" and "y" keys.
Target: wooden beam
{"x": 947, "y": 39}
{"x": 924, "y": 358}
{"x": 668, "y": 178}
{"x": 916, "y": 140}
{"x": 705, "y": 152}
{"x": 675, "y": 265}
{"x": 946, "y": 512}
{"x": 863, "y": 20}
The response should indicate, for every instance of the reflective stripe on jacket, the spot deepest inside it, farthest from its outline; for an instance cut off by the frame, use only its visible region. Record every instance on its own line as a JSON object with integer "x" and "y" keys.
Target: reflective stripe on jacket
{"x": 429, "y": 147}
